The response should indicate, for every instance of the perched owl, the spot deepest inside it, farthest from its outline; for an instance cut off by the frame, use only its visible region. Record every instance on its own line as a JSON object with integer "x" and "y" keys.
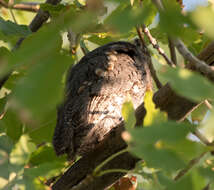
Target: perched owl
{"x": 96, "y": 89}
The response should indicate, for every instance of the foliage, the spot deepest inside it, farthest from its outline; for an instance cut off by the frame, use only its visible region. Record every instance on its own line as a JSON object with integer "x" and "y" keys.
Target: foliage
{"x": 29, "y": 98}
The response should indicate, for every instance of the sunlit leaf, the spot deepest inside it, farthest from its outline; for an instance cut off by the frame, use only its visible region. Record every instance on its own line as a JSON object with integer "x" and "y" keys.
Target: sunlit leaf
{"x": 21, "y": 152}
{"x": 153, "y": 114}
{"x": 131, "y": 2}
{"x": 44, "y": 154}
{"x": 200, "y": 17}
{"x": 207, "y": 126}
{"x": 128, "y": 114}
{"x": 199, "y": 113}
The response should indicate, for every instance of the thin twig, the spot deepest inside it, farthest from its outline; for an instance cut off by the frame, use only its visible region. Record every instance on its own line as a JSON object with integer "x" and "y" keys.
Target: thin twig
{"x": 25, "y": 6}
{"x": 10, "y": 4}
{"x": 83, "y": 47}
{"x": 151, "y": 68}
{"x": 190, "y": 165}
{"x": 99, "y": 167}
{"x": 155, "y": 45}
{"x": 208, "y": 104}
{"x": 101, "y": 173}
{"x": 199, "y": 65}
{"x": 207, "y": 187}
{"x": 202, "y": 138}
{"x": 172, "y": 51}
{"x": 13, "y": 16}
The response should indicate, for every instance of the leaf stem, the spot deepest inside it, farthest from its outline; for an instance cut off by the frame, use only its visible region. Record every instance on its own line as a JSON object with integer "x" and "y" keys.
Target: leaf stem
{"x": 98, "y": 168}
{"x": 99, "y": 174}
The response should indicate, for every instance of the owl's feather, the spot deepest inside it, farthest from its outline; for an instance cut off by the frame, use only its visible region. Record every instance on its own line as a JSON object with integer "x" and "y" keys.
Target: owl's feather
{"x": 96, "y": 88}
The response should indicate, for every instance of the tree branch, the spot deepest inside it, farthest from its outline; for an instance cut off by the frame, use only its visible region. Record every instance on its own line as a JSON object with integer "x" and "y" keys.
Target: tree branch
{"x": 150, "y": 65}
{"x": 155, "y": 45}
{"x": 172, "y": 51}
{"x": 36, "y": 23}
{"x": 199, "y": 65}
{"x": 80, "y": 175}
{"x": 191, "y": 164}
{"x": 25, "y": 6}
{"x": 40, "y": 18}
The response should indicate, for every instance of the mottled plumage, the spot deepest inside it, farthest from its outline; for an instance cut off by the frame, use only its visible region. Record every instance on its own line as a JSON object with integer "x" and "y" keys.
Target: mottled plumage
{"x": 96, "y": 88}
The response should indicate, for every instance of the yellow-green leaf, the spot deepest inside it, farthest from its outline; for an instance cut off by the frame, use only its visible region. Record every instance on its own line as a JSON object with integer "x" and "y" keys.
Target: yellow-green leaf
{"x": 128, "y": 114}
{"x": 153, "y": 115}
{"x": 203, "y": 17}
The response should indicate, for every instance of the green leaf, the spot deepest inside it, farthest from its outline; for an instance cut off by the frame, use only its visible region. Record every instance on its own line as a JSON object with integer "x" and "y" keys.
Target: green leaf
{"x": 37, "y": 47}
{"x": 128, "y": 114}
{"x": 22, "y": 150}
{"x": 12, "y": 124}
{"x": 45, "y": 170}
{"x": 172, "y": 21}
{"x": 200, "y": 17}
{"x": 11, "y": 29}
{"x": 190, "y": 181}
{"x": 189, "y": 84}
{"x": 168, "y": 131}
{"x": 5, "y": 149}
{"x": 4, "y": 55}
{"x": 44, "y": 131}
{"x": 207, "y": 126}
{"x": 153, "y": 115}
{"x": 54, "y": 10}
{"x": 3, "y": 102}
{"x": 199, "y": 113}
{"x": 100, "y": 39}
{"x": 5, "y": 143}
{"x": 164, "y": 145}
{"x": 207, "y": 172}
{"x": 134, "y": 16}
{"x": 164, "y": 159}
{"x": 42, "y": 85}
{"x": 44, "y": 154}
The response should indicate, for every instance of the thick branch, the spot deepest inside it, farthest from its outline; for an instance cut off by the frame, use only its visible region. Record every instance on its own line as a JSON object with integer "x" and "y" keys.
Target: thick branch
{"x": 79, "y": 176}
{"x": 32, "y": 7}
{"x": 39, "y": 19}
{"x": 199, "y": 65}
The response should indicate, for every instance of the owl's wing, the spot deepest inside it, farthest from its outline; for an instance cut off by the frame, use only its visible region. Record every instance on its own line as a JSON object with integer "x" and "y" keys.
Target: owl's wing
{"x": 96, "y": 75}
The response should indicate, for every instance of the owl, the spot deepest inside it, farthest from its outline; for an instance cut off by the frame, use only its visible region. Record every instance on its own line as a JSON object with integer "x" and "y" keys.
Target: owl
{"x": 96, "y": 89}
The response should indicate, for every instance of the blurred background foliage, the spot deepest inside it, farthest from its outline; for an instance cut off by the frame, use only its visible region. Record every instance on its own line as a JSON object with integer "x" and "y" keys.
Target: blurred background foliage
{"x": 29, "y": 98}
